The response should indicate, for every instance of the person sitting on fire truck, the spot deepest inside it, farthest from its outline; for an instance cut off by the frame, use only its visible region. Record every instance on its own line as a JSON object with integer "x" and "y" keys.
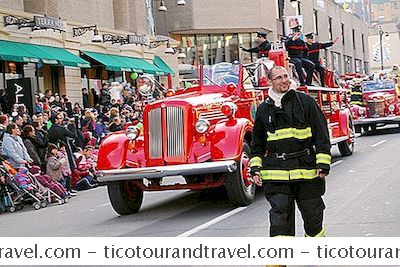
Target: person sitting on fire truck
{"x": 290, "y": 156}
{"x": 297, "y": 50}
{"x": 356, "y": 93}
{"x": 313, "y": 48}
{"x": 264, "y": 45}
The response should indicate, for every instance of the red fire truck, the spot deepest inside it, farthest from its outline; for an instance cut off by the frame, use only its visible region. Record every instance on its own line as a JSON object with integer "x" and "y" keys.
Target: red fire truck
{"x": 382, "y": 106}
{"x": 203, "y": 134}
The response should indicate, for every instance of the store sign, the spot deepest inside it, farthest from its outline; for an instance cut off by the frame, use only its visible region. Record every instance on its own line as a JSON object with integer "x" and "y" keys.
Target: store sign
{"x": 19, "y": 91}
{"x": 44, "y": 22}
{"x": 138, "y": 39}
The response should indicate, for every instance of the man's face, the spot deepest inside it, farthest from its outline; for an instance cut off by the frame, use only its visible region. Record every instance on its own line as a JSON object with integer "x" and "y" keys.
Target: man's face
{"x": 280, "y": 80}
{"x": 310, "y": 40}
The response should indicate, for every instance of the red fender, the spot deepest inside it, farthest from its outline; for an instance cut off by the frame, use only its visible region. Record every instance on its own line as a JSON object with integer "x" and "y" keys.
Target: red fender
{"x": 228, "y": 137}
{"x": 344, "y": 121}
{"x": 112, "y": 152}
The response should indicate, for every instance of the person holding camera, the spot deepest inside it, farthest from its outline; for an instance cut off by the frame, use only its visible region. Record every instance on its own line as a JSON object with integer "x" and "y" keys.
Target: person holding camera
{"x": 297, "y": 51}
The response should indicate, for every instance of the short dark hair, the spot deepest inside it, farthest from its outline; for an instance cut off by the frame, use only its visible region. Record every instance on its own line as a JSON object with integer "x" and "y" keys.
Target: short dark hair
{"x": 3, "y": 118}
{"x": 269, "y": 75}
{"x": 11, "y": 127}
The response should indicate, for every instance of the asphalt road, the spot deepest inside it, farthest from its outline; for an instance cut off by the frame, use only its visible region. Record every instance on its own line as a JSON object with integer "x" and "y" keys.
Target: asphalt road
{"x": 362, "y": 200}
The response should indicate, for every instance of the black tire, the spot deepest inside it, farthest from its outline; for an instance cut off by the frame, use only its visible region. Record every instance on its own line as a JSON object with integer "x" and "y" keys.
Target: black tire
{"x": 365, "y": 128}
{"x": 357, "y": 128}
{"x": 346, "y": 148}
{"x": 126, "y": 198}
{"x": 240, "y": 190}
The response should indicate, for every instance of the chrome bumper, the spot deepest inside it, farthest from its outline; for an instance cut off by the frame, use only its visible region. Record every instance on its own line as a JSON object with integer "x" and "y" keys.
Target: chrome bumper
{"x": 384, "y": 120}
{"x": 162, "y": 171}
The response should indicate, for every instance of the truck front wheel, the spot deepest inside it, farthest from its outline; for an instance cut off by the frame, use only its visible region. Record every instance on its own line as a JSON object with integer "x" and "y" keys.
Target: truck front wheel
{"x": 240, "y": 189}
{"x": 126, "y": 197}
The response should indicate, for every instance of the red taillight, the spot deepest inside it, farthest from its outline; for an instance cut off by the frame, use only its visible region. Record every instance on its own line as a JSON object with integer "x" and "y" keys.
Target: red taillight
{"x": 226, "y": 110}
{"x": 231, "y": 87}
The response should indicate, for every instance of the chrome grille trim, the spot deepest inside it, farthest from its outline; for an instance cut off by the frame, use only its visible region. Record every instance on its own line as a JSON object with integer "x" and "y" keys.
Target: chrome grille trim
{"x": 175, "y": 136}
{"x": 155, "y": 133}
{"x": 212, "y": 115}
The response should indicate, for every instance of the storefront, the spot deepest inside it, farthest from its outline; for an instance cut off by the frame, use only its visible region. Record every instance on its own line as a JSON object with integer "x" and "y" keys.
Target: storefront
{"x": 30, "y": 69}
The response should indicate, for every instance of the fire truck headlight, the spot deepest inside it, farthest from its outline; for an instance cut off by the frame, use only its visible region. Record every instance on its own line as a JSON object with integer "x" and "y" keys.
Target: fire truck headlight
{"x": 202, "y": 126}
{"x": 132, "y": 132}
{"x": 391, "y": 108}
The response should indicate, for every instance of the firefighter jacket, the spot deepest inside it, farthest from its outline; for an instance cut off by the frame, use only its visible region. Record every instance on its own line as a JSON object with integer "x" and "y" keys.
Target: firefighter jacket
{"x": 296, "y": 48}
{"x": 297, "y": 127}
{"x": 262, "y": 49}
{"x": 356, "y": 96}
{"x": 313, "y": 50}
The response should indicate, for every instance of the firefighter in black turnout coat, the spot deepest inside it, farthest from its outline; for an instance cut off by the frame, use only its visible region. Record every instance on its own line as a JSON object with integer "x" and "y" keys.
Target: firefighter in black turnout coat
{"x": 297, "y": 51}
{"x": 290, "y": 156}
{"x": 313, "y": 54}
{"x": 264, "y": 45}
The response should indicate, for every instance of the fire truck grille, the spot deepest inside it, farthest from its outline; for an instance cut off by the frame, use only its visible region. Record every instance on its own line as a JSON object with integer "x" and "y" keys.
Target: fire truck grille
{"x": 212, "y": 115}
{"x": 155, "y": 133}
{"x": 376, "y": 108}
{"x": 175, "y": 136}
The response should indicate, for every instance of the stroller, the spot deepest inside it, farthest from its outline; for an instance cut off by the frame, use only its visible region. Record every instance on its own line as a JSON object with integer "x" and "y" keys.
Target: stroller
{"x": 22, "y": 189}
{"x": 53, "y": 191}
{"x": 8, "y": 193}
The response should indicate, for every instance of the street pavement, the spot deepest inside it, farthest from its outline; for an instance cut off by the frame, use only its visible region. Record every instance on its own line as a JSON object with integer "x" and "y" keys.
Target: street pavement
{"x": 361, "y": 199}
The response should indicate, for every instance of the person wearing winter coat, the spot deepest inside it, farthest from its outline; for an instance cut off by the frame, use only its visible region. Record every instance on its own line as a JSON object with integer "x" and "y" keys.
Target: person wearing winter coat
{"x": 54, "y": 163}
{"x": 13, "y": 147}
{"x": 29, "y": 137}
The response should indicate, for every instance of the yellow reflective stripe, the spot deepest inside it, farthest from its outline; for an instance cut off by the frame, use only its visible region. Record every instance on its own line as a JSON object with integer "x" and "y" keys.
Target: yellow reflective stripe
{"x": 256, "y": 162}
{"x": 289, "y": 133}
{"x": 324, "y": 158}
{"x": 356, "y": 103}
{"x": 280, "y": 175}
{"x": 320, "y": 234}
{"x": 356, "y": 93}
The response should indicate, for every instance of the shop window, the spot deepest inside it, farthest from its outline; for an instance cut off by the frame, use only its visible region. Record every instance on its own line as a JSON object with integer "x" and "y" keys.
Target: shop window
{"x": 330, "y": 28}
{"x": 348, "y": 64}
{"x": 336, "y": 63}
{"x": 231, "y": 47}
{"x": 245, "y": 41}
{"x": 217, "y": 49}
{"x": 203, "y": 49}
{"x": 189, "y": 47}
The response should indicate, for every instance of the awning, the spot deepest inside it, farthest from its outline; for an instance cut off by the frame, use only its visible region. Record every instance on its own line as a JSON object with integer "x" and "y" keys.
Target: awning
{"x": 123, "y": 63}
{"x": 162, "y": 65}
{"x": 22, "y": 52}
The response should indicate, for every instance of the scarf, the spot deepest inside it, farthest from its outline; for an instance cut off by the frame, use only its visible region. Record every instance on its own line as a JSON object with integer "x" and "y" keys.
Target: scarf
{"x": 277, "y": 97}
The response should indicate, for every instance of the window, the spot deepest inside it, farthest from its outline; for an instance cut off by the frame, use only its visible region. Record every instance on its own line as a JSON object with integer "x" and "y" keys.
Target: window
{"x": 281, "y": 6}
{"x": 245, "y": 41}
{"x": 336, "y": 62}
{"x": 330, "y": 28}
{"x": 217, "y": 49}
{"x": 363, "y": 43}
{"x": 315, "y": 19}
{"x": 358, "y": 65}
{"x": 354, "y": 38}
{"x": 203, "y": 49}
{"x": 342, "y": 27}
{"x": 348, "y": 66}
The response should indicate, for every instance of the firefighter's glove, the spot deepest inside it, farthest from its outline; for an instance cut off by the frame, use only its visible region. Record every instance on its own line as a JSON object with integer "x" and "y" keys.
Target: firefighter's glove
{"x": 256, "y": 178}
{"x": 322, "y": 173}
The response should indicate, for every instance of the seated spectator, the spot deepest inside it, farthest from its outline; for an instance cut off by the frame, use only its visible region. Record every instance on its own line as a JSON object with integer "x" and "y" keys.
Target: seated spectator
{"x": 83, "y": 177}
{"x": 115, "y": 125}
{"x": 29, "y": 137}
{"x": 13, "y": 148}
{"x": 54, "y": 163}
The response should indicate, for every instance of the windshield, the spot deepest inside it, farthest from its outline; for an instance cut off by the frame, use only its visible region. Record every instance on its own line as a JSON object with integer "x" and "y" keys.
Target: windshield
{"x": 376, "y": 86}
{"x": 221, "y": 74}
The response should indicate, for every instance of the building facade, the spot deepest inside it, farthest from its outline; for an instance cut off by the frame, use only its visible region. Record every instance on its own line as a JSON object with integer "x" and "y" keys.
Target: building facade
{"x": 114, "y": 17}
{"x": 210, "y": 36}
{"x": 385, "y": 10}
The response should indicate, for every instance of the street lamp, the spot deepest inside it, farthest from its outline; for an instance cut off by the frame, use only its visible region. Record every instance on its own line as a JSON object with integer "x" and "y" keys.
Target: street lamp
{"x": 381, "y": 34}
{"x": 163, "y": 7}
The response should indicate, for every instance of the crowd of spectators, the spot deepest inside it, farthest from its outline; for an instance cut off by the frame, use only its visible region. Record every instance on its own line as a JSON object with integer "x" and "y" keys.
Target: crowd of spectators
{"x": 63, "y": 138}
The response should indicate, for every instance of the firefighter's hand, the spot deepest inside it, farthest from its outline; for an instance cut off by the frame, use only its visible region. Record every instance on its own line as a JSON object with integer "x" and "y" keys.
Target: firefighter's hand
{"x": 256, "y": 178}
{"x": 296, "y": 36}
{"x": 321, "y": 173}
{"x": 336, "y": 39}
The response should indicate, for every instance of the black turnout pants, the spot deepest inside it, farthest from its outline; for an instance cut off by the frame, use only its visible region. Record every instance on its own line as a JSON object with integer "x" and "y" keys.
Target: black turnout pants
{"x": 301, "y": 63}
{"x": 282, "y": 197}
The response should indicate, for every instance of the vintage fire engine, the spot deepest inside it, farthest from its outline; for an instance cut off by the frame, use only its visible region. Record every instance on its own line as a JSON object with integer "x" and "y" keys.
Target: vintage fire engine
{"x": 382, "y": 106}
{"x": 203, "y": 134}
